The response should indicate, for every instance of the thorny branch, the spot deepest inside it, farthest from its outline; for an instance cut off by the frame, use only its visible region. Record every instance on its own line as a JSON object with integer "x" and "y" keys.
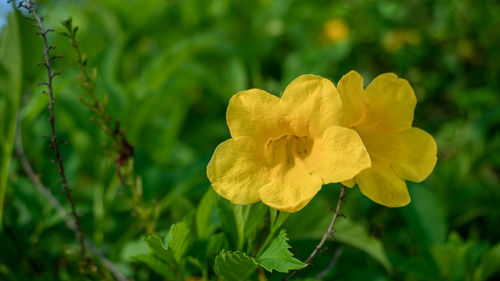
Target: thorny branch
{"x": 104, "y": 120}
{"x": 120, "y": 145}
{"x": 329, "y": 232}
{"x": 30, "y": 7}
{"x": 68, "y": 220}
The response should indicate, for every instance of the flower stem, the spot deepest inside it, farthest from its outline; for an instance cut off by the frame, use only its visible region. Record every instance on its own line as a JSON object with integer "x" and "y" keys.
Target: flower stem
{"x": 328, "y": 232}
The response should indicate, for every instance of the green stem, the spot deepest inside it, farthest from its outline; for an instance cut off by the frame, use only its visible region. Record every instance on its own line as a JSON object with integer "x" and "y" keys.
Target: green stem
{"x": 275, "y": 225}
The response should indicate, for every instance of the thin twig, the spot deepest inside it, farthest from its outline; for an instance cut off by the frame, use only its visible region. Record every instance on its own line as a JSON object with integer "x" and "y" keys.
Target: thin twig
{"x": 68, "y": 220}
{"x": 328, "y": 232}
{"x": 120, "y": 144}
{"x": 30, "y": 7}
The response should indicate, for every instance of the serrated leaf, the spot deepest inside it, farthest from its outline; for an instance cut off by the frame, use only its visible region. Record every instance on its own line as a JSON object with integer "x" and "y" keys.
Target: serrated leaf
{"x": 161, "y": 259}
{"x": 278, "y": 257}
{"x": 178, "y": 240}
{"x": 234, "y": 266}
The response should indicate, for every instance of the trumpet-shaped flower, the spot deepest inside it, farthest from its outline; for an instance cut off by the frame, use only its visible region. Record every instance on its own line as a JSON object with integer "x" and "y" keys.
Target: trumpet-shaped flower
{"x": 382, "y": 114}
{"x": 282, "y": 150}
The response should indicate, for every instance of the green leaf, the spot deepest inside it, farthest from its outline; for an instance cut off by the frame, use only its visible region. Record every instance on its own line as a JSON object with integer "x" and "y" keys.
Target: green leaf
{"x": 10, "y": 95}
{"x": 165, "y": 256}
{"x": 454, "y": 256}
{"x": 178, "y": 240}
{"x": 204, "y": 226}
{"x": 216, "y": 243}
{"x": 248, "y": 218}
{"x": 278, "y": 257}
{"x": 160, "y": 258}
{"x": 425, "y": 216}
{"x": 490, "y": 264}
{"x": 227, "y": 220}
{"x": 256, "y": 217}
{"x": 157, "y": 264}
{"x": 356, "y": 235}
{"x": 234, "y": 266}
{"x": 134, "y": 248}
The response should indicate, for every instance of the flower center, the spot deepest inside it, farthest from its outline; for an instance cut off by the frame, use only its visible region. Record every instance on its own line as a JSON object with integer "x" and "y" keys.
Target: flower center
{"x": 287, "y": 149}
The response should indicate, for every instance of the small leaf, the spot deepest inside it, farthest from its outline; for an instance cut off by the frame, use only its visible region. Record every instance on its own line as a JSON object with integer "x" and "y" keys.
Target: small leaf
{"x": 134, "y": 248}
{"x": 234, "y": 266}
{"x": 158, "y": 265}
{"x": 160, "y": 258}
{"x": 490, "y": 264}
{"x": 178, "y": 240}
{"x": 157, "y": 247}
{"x": 216, "y": 243}
{"x": 204, "y": 226}
{"x": 278, "y": 257}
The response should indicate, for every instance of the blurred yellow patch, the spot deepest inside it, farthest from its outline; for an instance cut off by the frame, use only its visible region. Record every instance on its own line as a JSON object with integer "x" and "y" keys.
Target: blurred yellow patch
{"x": 396, "y": 39}
{"x": 335, "y": 30}
{"x": 382, "y": 114}
{"x": 284, "y": 149}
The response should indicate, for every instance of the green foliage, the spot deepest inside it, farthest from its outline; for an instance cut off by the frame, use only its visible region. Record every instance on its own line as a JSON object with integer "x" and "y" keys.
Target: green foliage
{"x": 160, "y": 258}
{"x": 355, "y": 235}
{"x": 490, "y": 264}
{"x": 10, "y": 97}
{"x": 204, "y": 224}
{"x": 249, "y": 218}
{"x": 165, "y": 256}
{"x": 278, "y": 256}
{"x": 169, "y": 68}
{"x": 234, "y": 266}
{"x": 178, "y": 240}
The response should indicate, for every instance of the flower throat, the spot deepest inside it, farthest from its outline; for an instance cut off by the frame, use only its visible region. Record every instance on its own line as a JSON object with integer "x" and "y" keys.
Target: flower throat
{"x": 287, "y": 149}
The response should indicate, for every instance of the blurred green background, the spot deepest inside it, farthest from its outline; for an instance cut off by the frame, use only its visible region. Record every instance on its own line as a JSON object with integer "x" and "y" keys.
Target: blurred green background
{"x": 170, "y": 68}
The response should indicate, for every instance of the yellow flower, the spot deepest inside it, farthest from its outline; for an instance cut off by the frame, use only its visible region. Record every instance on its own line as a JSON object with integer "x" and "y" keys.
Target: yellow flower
{"x": 383, "y": 115}
{"x": 283, "y": 150}
{"x": 335, "y": 30}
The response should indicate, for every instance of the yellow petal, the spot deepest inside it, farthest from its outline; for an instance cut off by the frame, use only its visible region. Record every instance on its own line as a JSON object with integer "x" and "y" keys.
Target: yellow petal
{"x": 350, "y": 88}
{"x": 350, "y": 183}
{"x": 383, "y": 186}
{"x": 313, "y": 105}
{"x": 254, "y": 113}
{"x": 383, "y": 146}
{"x": 338, "y": 156}
{"x": 391, "y": 102}
{"x": 236, "y": 172}
{"x": 290, "y": 190}
{"x": 417, "y": 155}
